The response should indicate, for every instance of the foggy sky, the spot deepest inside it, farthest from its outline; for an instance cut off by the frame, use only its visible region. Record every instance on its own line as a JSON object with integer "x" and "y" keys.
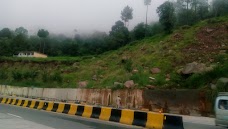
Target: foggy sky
{"x": 64, "y": 16}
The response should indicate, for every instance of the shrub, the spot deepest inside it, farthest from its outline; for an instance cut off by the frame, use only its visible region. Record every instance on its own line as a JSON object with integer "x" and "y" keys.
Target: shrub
{"x": 17, "y": 75}
{"x": 30, "y": 74}
{"x": 3, "y": 75}
{"x": 141, "y": 78}
{"x": 128, "y": 65}
{"x": 56, "y": 77}
{"x": 45, "y": 77}
{"x": 184, "y": 27}
{"x": 159, "y": 80}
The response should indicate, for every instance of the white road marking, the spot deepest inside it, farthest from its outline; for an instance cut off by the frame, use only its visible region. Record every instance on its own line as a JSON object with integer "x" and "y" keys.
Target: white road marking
{"x": 14, "y": 115}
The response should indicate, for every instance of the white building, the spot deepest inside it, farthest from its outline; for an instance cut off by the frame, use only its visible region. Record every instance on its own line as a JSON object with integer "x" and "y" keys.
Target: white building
{"x": 30, "y": 54}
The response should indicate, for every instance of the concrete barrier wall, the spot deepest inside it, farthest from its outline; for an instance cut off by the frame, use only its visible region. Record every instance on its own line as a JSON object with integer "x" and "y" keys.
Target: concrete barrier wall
{"x": 187, "y": 102}
{"x": 124, "y": 116}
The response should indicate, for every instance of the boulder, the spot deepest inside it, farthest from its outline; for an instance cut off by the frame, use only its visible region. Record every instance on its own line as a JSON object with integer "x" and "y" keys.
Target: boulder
{"x": 82, "y": 84}
{"x": 76, "y": 65}
{"x": 222, "y": 83}
{"x": 155, "y": 70}
{"x": 150, "y": 87}
{"x": 189, "y": 68}
{"x": 94, "y": 78}
{"x": 135, "y": 71}
{"x": 151, "y": 78}
{"x": 209, "y": 30}
{"x": 129, "y": 84}
{"x": 223, "y": 80}
{"x": 195, "y": 67}
{"x": 212, "y": 86}
{"x": 117, "y": 84}
{"x": 124, "y": 59}
{"x": 167, "y": 77}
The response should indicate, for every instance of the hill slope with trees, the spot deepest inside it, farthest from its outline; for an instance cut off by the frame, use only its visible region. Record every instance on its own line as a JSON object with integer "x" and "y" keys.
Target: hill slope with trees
{"x": 174, "y": 53}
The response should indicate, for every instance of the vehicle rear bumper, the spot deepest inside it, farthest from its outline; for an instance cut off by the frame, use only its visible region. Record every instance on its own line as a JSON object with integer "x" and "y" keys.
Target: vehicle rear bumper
{"x": 221, "y": 122}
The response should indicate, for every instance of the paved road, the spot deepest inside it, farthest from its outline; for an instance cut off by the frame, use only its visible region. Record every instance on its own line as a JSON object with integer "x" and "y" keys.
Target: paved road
{"x": 201, "y": 126}
{"x": 12, "y": 117}
{"x": 191, "y": 122}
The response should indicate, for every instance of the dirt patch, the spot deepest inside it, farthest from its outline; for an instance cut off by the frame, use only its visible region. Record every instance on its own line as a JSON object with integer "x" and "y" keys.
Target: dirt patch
{"x": 209, "y": 42}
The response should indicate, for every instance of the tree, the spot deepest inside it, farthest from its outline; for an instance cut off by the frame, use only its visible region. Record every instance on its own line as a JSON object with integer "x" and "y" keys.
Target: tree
{"x": 189, "y": 12}
{"x": 127, "y": 14}
{"x": 201, "y": 9}
{"x": 5, "y": 49}
{"x": 21, "y": 30}
{"x": 119, "y": 35}
{"x": 167, "y": 16}
{"x": 19, "y": 43}
{"x": 139, "y": 31}
{"x": 6, "y": 33}
{"x": 155, "y": 28}
{"x": 147, "y": 3}
{"x": 220, "y": 7}
{"x": 42, "y": 34}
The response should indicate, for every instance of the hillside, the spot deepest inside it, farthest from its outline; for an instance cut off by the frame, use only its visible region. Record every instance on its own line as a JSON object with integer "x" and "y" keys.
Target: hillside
{"x": 154, "y": 62}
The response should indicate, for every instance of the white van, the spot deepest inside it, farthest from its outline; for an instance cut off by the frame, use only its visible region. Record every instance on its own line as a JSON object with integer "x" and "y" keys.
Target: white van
{"x": 221, "y": 109}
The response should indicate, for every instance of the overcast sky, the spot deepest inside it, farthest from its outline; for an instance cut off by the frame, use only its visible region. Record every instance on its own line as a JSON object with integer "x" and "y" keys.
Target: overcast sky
{"x": 64, "y": 16}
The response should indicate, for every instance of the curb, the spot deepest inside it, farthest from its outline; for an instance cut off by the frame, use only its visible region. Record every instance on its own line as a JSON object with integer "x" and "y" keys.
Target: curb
{"x": 124, "y": 116}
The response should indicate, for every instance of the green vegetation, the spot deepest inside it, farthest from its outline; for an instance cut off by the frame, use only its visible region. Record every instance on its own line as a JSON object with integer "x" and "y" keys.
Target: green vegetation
{"x": 102, "y": 59}
{"x": 162, "y": 51}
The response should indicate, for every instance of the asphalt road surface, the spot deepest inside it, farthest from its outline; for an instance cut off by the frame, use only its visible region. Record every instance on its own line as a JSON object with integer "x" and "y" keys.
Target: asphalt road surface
{"x": 13, "y": 117}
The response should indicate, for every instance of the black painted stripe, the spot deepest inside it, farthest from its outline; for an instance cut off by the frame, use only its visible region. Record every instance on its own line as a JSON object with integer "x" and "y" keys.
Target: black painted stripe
{"x": 16, "y": 102}
{"x": 45, "y": 106}
{"x": 66, "y": 108}
{"x": 6, "y": 100}
{"x": 36, "y": 104}
{"x": 1, "y": 100}
{"x": 80, "y": 110}
{"x": 115, "y": 115}
{"x": 140, "y": 118}
{"x": 29, "y": 103}
{"x": 96, "y": 112}
{"x": 55, "y": 107}
{"x": 11, "y": 101}
{"x": 22, "y": 102}
{"x": 173, "y": 122}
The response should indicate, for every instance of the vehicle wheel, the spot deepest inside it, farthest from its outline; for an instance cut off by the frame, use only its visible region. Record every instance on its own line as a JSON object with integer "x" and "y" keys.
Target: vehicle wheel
{"x": 216, "y": 123}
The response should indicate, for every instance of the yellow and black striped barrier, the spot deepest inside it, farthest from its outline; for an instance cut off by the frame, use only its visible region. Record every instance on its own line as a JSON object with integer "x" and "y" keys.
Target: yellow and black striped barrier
{"x": 124, "y": 116}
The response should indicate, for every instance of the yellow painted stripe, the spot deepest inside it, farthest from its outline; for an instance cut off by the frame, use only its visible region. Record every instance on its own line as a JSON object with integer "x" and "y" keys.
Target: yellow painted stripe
{"x": 19, "y": 102}
{"x": 33, "y": 104}
{"x": 41, "y": 104}
{"x": 73, "y": 109}
{"x": 14, "y": 101}
{"x": 3, "y": 100}
{"x": 8, "y": 101}
{"x": 50, "y": 106}
{"x": 60, "y": 107}
{"x": 105, "y": 113}
{"x": 87, "y": 111}
{"x": 127, "y": 116}
{"x": 26, "y": 103}
{"x": 154, "y": 120}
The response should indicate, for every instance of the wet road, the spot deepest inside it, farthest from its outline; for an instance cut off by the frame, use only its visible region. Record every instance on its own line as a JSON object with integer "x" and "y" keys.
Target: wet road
{"x": 13, "y": 117}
